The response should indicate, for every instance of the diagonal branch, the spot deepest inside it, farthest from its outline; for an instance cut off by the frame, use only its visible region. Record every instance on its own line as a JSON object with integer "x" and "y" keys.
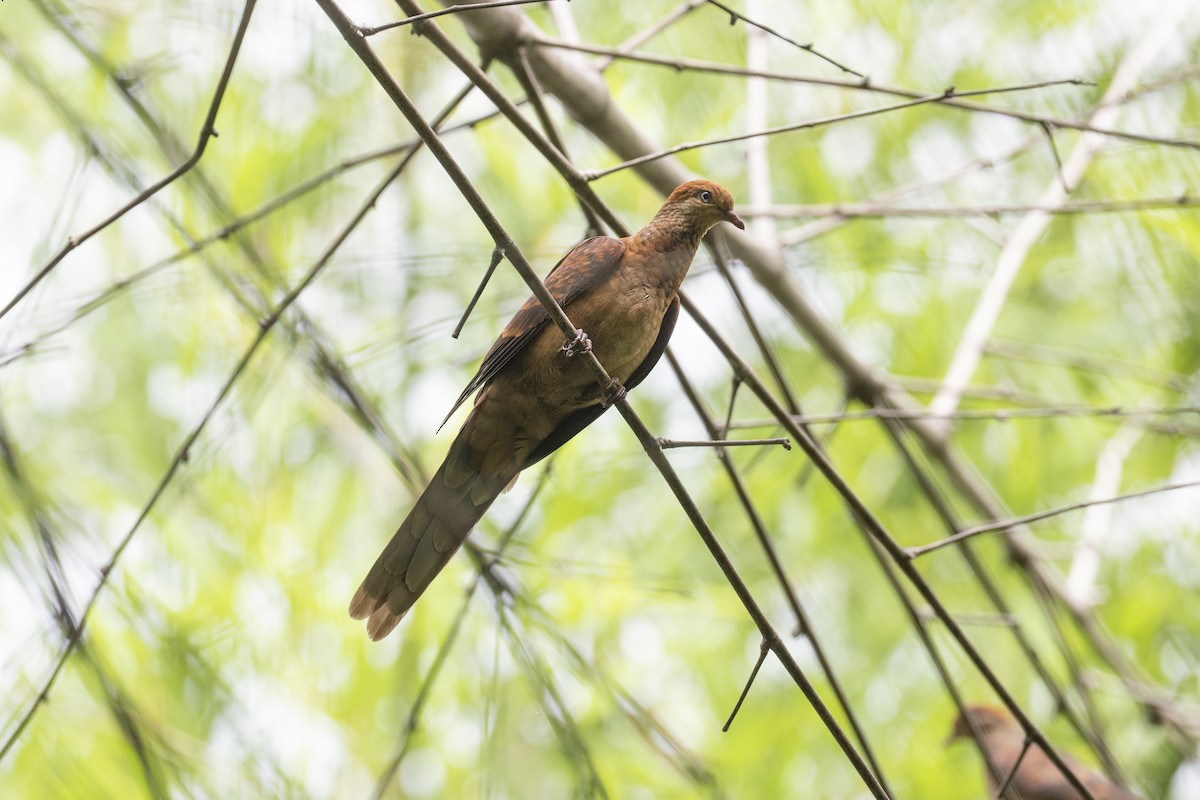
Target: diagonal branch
{"x": 1009, "y": 524}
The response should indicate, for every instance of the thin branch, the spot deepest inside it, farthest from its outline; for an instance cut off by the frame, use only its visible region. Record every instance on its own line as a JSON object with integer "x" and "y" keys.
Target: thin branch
{"x": 1012, "y": 772}
{"x": 1104, "y": 365}
{"x": 667, "y": 444}
{"x": 456, "y": 9}
{"x": 1004, "y": 525}
{"x": 735, "y": 17}
{"x": 953, "y": 100}
{"x": 680, "y": 64}
{"x": 645, "y": 35}
{"x": 998, "y": 414}
{"x": 891, "y": 196}
{"x": 331, "y": 373}
{"x": 763, "y": 650}
{"x": 207, "y": 131}
{"x": 234, "y": 226}
{"x": 758, "y": 158}
{"x": 877, "y": 210}
{"x": 1048, "y": 129}
{"x": 741, "y": 137}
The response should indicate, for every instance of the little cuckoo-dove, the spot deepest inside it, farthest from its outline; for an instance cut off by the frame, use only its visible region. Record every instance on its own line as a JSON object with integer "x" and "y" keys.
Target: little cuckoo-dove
{"x": 1037, "y": 778}
{"x": 534, "y": 396}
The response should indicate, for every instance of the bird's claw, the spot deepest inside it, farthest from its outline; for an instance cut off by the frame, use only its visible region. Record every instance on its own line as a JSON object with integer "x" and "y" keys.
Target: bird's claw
{"x": 580, "y": 344}
{"x": 615, "y": 393}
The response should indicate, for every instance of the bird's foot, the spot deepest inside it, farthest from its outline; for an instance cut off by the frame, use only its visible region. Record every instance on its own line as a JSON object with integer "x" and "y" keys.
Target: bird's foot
{"x": 580, "y": 344}
{"x": 615, "y": 393}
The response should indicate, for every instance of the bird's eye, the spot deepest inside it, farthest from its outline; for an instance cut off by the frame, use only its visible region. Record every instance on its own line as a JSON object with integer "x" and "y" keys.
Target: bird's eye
{"x": 705, "y": 196}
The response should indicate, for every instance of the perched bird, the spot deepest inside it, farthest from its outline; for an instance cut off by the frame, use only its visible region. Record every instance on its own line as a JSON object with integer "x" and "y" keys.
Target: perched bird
{"x": 1038, "y": 778}
{"x": 534, "y": 395}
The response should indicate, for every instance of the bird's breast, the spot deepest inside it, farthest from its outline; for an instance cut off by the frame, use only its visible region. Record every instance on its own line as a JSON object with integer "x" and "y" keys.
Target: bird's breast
{"x": 622, "y": 327}
{"x": 622, "y": 337}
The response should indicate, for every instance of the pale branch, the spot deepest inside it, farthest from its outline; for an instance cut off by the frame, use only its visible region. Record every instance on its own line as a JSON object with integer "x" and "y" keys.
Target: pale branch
{"x": 1029, "y": 230}
{"x": 1080, "y": 583}
{"x": 758, "y": 157}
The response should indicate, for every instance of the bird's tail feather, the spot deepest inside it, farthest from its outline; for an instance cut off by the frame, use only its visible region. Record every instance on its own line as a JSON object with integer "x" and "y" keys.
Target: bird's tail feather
{"x": 438, "y": 524}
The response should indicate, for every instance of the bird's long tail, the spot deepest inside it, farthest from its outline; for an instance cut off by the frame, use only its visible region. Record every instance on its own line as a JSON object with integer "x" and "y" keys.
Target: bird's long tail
{"x": 438, "y": 524}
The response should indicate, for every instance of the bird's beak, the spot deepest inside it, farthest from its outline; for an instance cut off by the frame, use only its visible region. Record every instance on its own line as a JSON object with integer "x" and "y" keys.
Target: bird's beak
{"x": 735, "y": 220}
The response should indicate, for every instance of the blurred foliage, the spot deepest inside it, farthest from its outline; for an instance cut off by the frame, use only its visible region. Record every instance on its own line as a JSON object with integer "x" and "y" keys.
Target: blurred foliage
{"x": 219, "y": 661}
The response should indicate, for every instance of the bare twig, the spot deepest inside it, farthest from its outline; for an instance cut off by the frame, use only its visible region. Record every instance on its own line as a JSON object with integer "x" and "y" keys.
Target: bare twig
{"x": 952, "y": 100}
{"x": 1004, "y": 525}
{"x": 763, "y": 650}
{"x": 741, "y": 137}
{"x": 454, "y": 9}
{"x": 646, "y": 34}
{"x": 667, "y": 444}
{"x": 1012, "y": 772}
{"x": 207, "y": 131}
{"x": 735, "y": 17}
{"x": 1080, "y": 585}
{"x": 883, "y": 210}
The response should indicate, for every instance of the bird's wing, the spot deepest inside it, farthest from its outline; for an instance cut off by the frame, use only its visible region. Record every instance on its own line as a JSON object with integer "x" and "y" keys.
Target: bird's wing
{"x": 580, "y": 419}
{"x": 588, "y": 264}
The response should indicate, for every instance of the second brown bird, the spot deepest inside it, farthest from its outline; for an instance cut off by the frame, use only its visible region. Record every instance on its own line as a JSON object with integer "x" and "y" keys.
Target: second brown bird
{"x": 534, "y": 396}
{"x": 1037, "y": 778}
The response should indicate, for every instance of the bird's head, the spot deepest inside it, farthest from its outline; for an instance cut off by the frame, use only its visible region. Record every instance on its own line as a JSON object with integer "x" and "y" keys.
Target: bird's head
{"x": 987, "y": 719}
{"x": 705, "y": 202}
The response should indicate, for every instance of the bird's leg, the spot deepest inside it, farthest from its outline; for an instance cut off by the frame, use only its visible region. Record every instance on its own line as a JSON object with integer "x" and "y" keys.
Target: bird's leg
{"x": 580, "y": 344}
{"x": 615, "y": 393}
